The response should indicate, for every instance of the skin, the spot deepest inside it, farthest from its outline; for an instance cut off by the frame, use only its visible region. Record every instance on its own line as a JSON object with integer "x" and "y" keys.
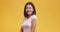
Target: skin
{"x": 33, "y": 25}
{"x": 29, "y": 11}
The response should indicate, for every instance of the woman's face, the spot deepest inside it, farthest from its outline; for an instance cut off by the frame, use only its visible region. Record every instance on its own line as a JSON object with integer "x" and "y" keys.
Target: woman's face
{"x": 29, "y": 9}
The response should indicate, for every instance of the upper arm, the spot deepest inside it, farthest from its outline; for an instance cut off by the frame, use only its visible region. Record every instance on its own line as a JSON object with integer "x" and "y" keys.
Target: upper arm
{"x": 33, "y": 23}
{"x": 21, "y": 30}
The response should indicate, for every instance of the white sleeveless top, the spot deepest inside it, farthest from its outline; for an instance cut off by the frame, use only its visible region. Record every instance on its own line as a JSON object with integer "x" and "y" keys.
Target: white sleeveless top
{"x": 27, "y": 23}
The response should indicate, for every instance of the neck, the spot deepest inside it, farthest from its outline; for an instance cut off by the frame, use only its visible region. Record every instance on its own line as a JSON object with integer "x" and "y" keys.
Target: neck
{"x": 28, "y": 16}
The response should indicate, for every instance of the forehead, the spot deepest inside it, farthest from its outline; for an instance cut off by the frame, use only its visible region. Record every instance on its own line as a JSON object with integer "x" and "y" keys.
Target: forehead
{"x": 29, "y": 5}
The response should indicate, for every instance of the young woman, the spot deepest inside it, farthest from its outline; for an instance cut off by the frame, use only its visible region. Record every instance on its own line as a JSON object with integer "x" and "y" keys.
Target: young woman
{"x": 30, "y": 20}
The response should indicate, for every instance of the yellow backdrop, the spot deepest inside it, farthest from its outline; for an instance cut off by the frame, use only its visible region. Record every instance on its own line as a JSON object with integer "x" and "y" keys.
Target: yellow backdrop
{"x": 48, "y": 13}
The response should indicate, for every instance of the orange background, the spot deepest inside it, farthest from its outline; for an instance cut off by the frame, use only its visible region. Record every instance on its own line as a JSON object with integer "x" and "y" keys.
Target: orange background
{"x": 48, "y": 13}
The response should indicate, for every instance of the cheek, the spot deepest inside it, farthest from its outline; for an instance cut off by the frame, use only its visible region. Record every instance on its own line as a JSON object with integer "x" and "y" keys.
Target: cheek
{"x": 29, "y": 11}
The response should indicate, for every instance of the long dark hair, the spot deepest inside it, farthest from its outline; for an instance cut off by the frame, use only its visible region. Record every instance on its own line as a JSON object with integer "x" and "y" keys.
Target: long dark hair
{"x": 29, "y": 3}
